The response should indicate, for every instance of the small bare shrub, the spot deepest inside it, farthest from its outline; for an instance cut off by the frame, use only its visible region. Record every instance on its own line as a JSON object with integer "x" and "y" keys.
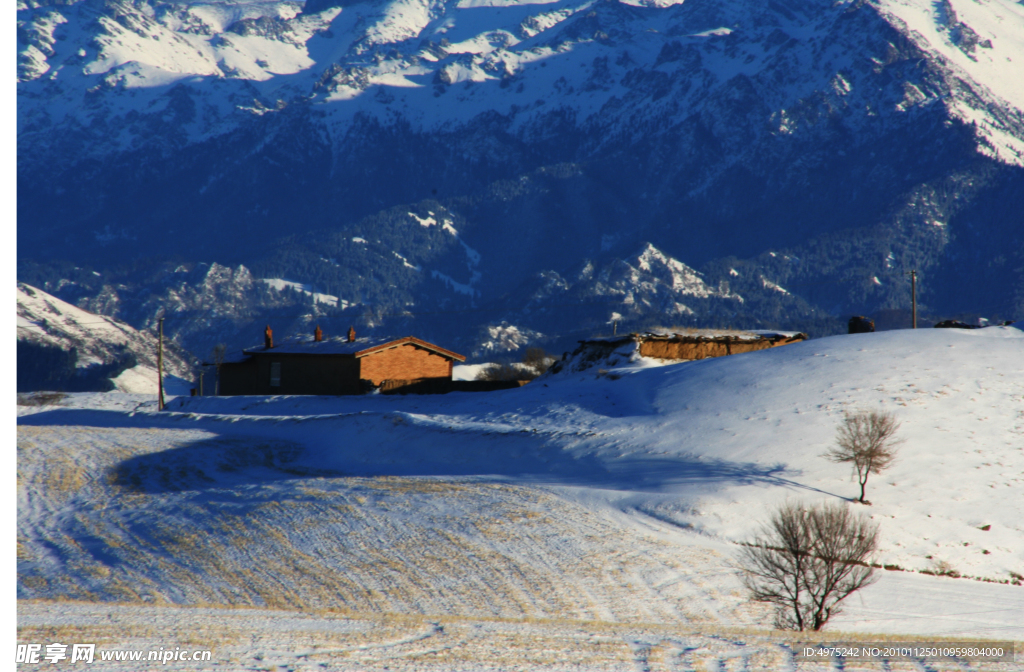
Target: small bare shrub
{"x": 807, "y": 560}
{"x": 538, "y": 360}
{"x": 502, "y": 371}
{"x": 943, "y": 568}
{"x": 41, "y": 399}
{"x": 535, "y": 362}
{"x": 867, "y": 441}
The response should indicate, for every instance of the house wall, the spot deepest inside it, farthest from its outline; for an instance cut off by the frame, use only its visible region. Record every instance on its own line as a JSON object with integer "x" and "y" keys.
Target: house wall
{"x": 405, "y": 362}
{"x": 300, "y": 374}
{"x": 314, "y": 374}
{"x": 445, "y": 385}
{"x": 236, "y": 378}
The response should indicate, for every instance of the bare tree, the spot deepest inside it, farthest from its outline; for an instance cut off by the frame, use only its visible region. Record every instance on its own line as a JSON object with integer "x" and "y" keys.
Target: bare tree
{"x": 867, "y": 440}
{"x": 807, "y": 560}
{"x": 538, "y": 360}
{"x": 218, "y": 354}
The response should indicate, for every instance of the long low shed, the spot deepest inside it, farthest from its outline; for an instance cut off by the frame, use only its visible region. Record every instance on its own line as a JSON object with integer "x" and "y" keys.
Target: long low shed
{"x": 697, "y": 344}
{"x": 705, "y": 345}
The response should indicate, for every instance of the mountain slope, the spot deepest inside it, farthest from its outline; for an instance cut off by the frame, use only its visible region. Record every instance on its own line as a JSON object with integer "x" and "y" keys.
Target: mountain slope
{"x": 61, "y": 347}
{"x": 864, "y": 138}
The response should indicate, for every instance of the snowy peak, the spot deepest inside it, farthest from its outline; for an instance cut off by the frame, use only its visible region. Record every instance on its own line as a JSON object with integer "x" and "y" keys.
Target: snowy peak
{"x": 980, "y": 46}
{"x": 673, "y": 273}
{"x": 48, "y": 320}
{"x": 647, "y": 285}
{"x": 422, "y": 61}
{"x": 653, "y": 276}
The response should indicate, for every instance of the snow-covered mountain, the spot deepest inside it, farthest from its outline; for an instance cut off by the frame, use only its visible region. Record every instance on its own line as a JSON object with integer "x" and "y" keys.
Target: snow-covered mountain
{"x": 645, "y": 289}
{"x": 61, "y": 347}
{"x": 439, "y": 64}
{"x": 863, "y": 139}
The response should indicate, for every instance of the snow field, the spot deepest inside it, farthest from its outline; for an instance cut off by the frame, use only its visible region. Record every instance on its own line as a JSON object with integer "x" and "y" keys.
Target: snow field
{"x": 259, "y": 639}
{"x": 961, "y": 403}
{"x": 170, "y": 517}
{"x": 580, "y": 503}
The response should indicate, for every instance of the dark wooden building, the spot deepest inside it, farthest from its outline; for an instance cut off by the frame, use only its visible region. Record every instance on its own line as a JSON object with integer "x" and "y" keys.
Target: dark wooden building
{"x": 338, "y": 366}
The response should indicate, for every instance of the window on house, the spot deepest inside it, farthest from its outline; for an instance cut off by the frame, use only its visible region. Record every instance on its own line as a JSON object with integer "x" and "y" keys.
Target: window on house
{"x": 275, "y": 374}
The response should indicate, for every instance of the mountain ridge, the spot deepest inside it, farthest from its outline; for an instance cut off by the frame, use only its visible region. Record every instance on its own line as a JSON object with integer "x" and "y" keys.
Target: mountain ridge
{"x": 555, "y": 133}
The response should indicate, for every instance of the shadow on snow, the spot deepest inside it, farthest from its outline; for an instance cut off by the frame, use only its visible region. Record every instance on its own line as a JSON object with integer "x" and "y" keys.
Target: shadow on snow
{"x": 255, "y": 450}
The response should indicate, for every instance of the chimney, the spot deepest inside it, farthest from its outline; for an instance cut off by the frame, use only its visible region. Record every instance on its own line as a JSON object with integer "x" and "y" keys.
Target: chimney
{"x": 351, "y": 335}
{"x": 268, "y": 338}
{"x": 318, "y": 335}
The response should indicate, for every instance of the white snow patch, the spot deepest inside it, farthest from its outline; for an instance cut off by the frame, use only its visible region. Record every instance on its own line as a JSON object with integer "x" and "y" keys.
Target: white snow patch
{"x": 471, "y": 4}
{"x": 454, "y": 285}
{"x": 327, "y": 299}
{"x": 405, "y": 262}
{"x": 768, "y": 284}
{"x": 144, "y": 380}
{"x": 714, "y": 32}
{"x": 430, "y": 220}
{"x": 468, "y": 371}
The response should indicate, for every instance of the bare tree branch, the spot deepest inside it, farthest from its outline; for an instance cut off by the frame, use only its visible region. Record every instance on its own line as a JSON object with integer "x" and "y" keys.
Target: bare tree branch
{"x": 807, "y": 560}
{"x": 218, "y": 354}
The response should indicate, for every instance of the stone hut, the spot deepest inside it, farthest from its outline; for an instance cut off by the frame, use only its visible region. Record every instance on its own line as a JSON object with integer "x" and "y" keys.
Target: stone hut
{"x": 684, "y": 345}
{"x": 702, "y": 344}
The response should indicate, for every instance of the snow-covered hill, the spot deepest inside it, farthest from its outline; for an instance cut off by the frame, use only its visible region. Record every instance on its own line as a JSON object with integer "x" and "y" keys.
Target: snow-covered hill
{"x": 612, "y": 496}
{"x": 107, "y": 352}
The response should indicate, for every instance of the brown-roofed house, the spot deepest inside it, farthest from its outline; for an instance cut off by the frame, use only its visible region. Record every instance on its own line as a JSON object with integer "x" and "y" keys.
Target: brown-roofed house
{"x": 339, "y": 366}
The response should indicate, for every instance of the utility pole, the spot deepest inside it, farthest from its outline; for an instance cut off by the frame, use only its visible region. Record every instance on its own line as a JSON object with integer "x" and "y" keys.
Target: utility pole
{"x": 160, "y": 366}
{"x": 913, "y": 297}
